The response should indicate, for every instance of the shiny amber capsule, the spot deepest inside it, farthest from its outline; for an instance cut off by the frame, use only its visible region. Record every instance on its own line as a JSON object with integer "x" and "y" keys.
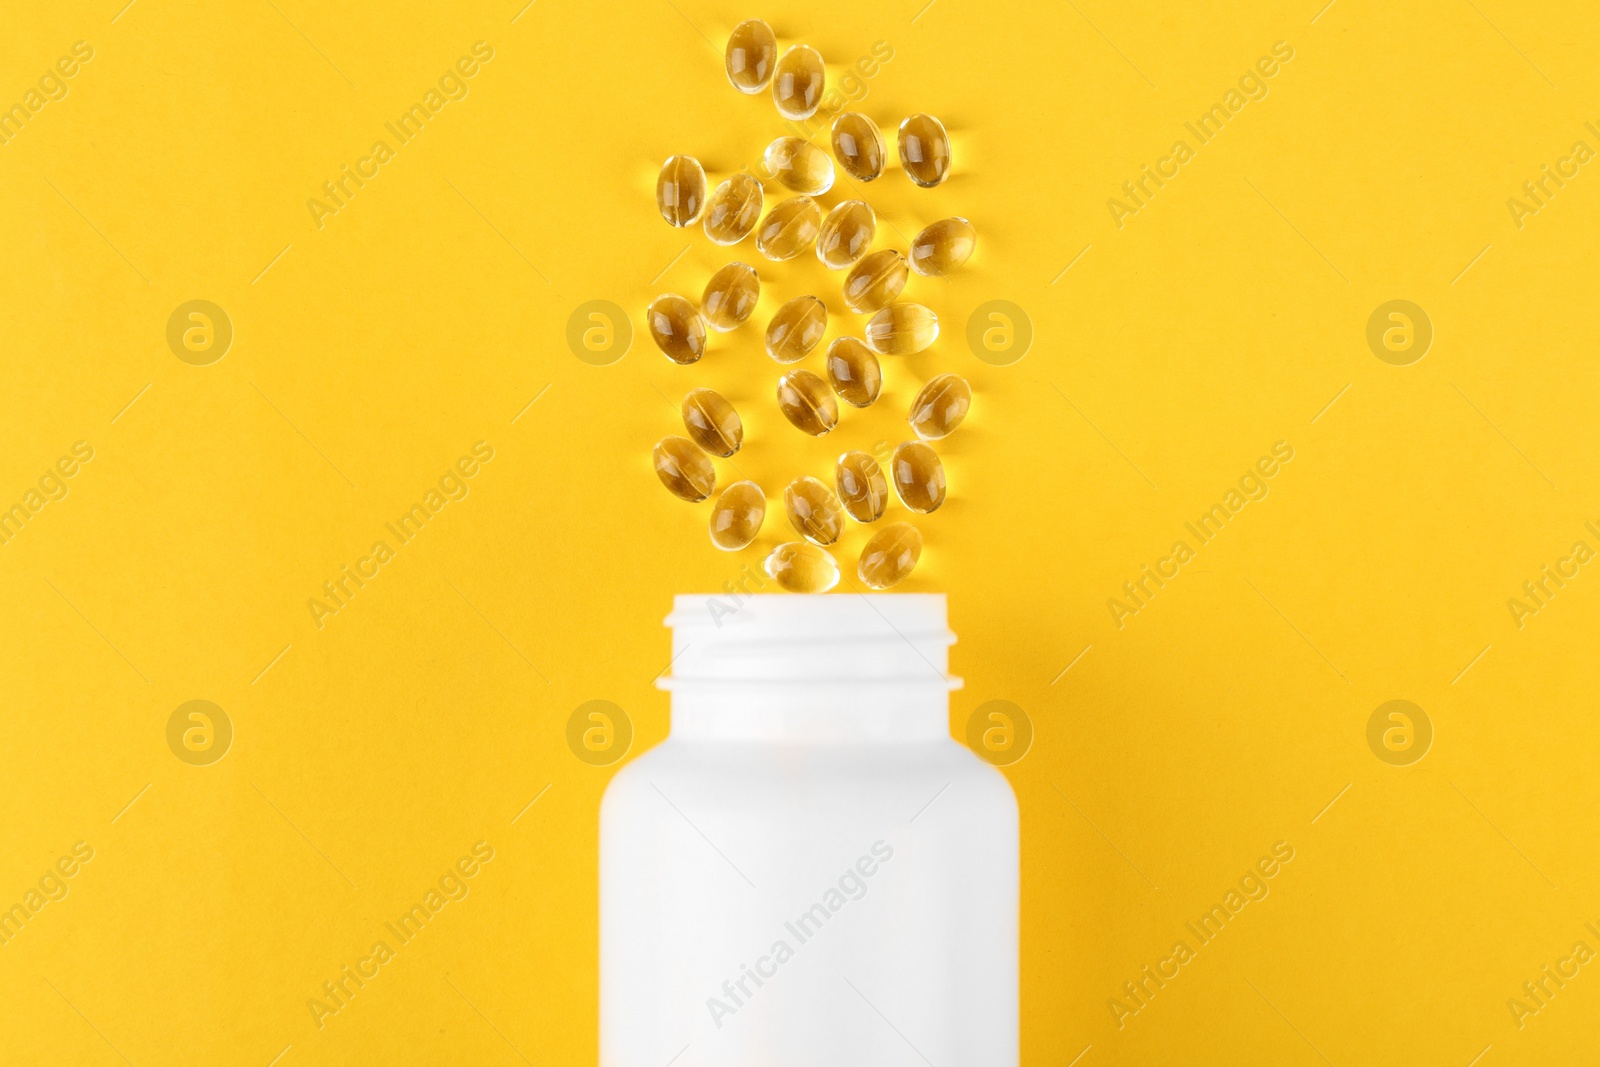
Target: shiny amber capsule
{"x": 684, "y": 469}
{"x": 737, "y": 515}
{"x": 730, "y": 296}
{"x": 733, "y": 209}
{"x": 924, "y": 150}
{"x": 877, "y": 281}
{"x": 712, "y": 422}
{"x": 943, "y": 246}
{"x": 846, "y": 234}
{"x": 853, "y": 371}
{"x": 799, "y": 165}
{"x": 752, "y": 53}
{"x": 789, "y": 228}
{"x": 797, "y": 84}
{"x": 941, "y": 406}
{"x": 802, "y": 568}
{"x": 814, "y": 511}
{"x": 676, "y": 328}
{"x": 681, "y": 190}
{"x": 918, "y": 476}
{"x": 796, "y": 329}
{"x": 807, "y": 402}
{"x": 890, "y": 555}
{"x": 902, "y": 329}
{"x": 862, "y": 487}
{"x": 858, "y": 146}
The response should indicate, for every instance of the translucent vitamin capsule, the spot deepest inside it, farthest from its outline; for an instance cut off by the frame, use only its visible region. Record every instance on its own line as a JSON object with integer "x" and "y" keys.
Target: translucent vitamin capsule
{"x": 799, "y": 165}
{"x": 902, "y": 329}
{"x": 941, "y": 406}
{"x": 890, "y": 555}
{"x": 924, "y": 150}
{"x": 752, "y": 52}
{"x": 681, "y": 190}
{"x": 877, "y": 281}
{"x": 918, "y": 476}
{"x": 789, "y": 228}
{"x": 676, "y": 328}
{"x": 797, "y": 84}
{"x": 802, "y": 568}
{"x": 737, "y": 515}
{"x": 684, "y": 469}
{"x": 814, "y": 511}
{"x": 858, "y": 146}
{"x": 730, "y": 296}
{"x": 796, "y": 329}
{"x": 807, "y": 402}
{"x": 943, "y": 246}
{"x": 853, "y": 372}
{"x": 862, "y": 487}
{"x": 733, "y": 209}
{"x": 846, "y": 234}
{"x": 712, "y": 422}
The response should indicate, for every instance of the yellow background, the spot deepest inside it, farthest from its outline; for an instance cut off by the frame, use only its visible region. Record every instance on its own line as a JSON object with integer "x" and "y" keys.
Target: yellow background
{"x": 425, "y": 316}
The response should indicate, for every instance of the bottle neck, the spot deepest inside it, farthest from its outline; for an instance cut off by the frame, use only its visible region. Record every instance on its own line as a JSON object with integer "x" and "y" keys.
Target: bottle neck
{"x": 812, "y": 713}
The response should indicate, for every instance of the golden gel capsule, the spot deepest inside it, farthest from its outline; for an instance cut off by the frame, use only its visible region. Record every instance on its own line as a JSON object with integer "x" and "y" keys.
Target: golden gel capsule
{"x": 814, "y": 511}
{"x": 902, "y": 329}
{"x": 676, "y": 328}
{"x": 730, "y": 296}
{"x": 807, "y": 402}
{"x": 858, "y": 146}
{"x": 846, "y": 234}
{"x": 890, "y": 555}
{"x": 797, "y": 84}
{"x": 789, "y": 228}
{"x": 802, "y": 568}
{"x": 796, "y": 328}
{"x": 862, "y": 487}
{"x": 877, "y": 281}
{"x": 681, "y": 190}
{"x": 943, "y": 246}
{"x": 853, "y": 372}
{"x": 799, "y": 165}
{"x": 752, "y": 52}
{"x": 918, "y": 476}
{"x": 941, "y": 406}
{"x": 712, "y": 422}
{"x": 924, "y": 150}
{"x": 684, "y": 469}
{"x": 733, "y": 209}
{"x": 737, "y": 515}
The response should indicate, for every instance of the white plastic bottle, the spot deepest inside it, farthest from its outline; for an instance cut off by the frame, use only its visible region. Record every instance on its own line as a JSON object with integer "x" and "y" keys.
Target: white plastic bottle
{"x": 809, "y": 870}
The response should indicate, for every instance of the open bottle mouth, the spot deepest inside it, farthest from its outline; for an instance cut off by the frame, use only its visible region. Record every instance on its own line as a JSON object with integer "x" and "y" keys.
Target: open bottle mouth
{"x": 874, "y": 639}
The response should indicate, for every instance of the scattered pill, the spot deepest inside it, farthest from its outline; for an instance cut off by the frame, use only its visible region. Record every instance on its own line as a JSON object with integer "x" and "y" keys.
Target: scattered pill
{"x": 890, "y": 555}
{"x": 902, "y": 330}
{"x": 681, "y": 190}
{"x": 676, "y": 328}
{"x": 712, "y": 422}
{"x": 863, "y": 490}
{"x": 807, "y": 402}
{"x": 940, "y": 406}
{"x": 802, "y": 568}
{"x": 730, "y": 296}
{"x": 924, "y": 150}
{"x": 789, "y": 228}
{"x": 814, "y": 511}
{"x": 796, "y": 328}
{"x": 846, "y": 234}
{"x": 737, "y": 515}
{"x": 918, "y": 476}
{"x": 858, "y": 146}
{"x": 853, "y": 371}
{"x": 752, "y": 53}
{"x": 943, "y": 246}
{"x": 797, "y": 82}
{"x": 733, "y": 209}
{"x": 877, "y": 281}
{"x": 799, "y": 165}
{"x": 684, "y": 469}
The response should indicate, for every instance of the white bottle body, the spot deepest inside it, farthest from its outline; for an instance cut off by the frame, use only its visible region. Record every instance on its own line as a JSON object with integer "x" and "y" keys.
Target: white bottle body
{"x": 812, "y": 872}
